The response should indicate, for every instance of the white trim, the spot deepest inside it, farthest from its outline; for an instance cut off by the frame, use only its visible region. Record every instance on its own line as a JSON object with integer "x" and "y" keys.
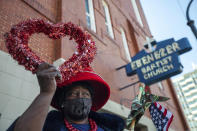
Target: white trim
{"x": 108, "y": 19}
{"x": 125, "y": 44}
{"x": 91, "y": 15}
{"x": 160, "y": 85}
{"x": 116, "y": 108}
{"x": 137, "y": 13}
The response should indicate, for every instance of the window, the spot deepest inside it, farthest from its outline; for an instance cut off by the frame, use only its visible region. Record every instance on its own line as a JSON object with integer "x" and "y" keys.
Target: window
{"x": 90, "y": 15}
{"x": 160, "y": 85}
{"x": 137, "y": 14}
{"x": 108, "y": 20}
{"x": 191, "y": 95}
{"x": 128, "y": 56}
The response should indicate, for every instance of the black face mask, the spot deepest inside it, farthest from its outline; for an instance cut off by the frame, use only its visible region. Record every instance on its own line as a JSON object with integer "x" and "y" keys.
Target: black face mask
{"x": 77, "y": 109}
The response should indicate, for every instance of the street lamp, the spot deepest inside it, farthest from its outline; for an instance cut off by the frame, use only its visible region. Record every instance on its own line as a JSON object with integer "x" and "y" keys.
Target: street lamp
{"x": 190, "y": 22}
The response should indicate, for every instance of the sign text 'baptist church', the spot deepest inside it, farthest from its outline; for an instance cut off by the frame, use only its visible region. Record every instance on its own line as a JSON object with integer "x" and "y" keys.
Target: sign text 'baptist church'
{"x": 159, "y": 64}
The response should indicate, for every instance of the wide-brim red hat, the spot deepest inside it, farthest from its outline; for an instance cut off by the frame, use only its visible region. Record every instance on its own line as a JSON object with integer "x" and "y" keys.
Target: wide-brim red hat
{"x": 101, "y": 89}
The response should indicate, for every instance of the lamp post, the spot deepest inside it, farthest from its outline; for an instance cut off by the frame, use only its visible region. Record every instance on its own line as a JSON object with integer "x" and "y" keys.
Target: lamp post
{"x": 190, "y": 22}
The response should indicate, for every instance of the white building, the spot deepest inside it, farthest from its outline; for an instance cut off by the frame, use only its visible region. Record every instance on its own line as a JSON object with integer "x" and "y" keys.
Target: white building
{"x": 186, "y": 87}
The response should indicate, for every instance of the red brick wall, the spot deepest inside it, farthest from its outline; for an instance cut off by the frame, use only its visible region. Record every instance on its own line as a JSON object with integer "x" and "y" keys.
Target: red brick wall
{"x": 15, "y": 11}
{"x": 110, "y": 53}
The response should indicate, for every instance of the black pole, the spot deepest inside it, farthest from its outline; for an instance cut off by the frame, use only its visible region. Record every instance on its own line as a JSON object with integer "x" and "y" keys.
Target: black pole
{"x": 192, "y": 26}
{"x": 128, "y": 85}
{"x": 121, "y": 67}
{"x": 190, "y": 22}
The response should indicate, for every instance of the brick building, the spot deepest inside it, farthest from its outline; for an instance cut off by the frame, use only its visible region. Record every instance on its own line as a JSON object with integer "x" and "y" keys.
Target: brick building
{"x": 119, "y": 29}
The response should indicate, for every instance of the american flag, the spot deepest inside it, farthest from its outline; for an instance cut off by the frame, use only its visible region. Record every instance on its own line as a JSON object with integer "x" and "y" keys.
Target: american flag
{"x": 161, "y": 117}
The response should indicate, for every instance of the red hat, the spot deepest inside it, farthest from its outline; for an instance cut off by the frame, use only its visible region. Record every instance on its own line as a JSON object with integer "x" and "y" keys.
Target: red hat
{"x": 100, "y": 87}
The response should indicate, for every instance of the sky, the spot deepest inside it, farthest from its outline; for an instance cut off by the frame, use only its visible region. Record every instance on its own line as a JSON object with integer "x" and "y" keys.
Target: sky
{"x": 167, "y": 19}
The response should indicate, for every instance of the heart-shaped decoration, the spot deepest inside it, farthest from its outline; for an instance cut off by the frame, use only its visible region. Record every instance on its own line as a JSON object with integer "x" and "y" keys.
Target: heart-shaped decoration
{"x": 17, "y": 45}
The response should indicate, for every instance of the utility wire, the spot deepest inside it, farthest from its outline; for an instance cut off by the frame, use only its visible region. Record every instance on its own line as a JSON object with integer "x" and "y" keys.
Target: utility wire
{"x": 181, "y": 8}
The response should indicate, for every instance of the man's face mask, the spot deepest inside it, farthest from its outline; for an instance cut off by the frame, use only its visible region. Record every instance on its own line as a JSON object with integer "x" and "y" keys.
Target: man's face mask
{"x": 78, "y": 108}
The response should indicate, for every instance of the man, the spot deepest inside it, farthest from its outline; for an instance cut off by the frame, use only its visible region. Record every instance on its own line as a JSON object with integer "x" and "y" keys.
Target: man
{"x": 75, "y": 99}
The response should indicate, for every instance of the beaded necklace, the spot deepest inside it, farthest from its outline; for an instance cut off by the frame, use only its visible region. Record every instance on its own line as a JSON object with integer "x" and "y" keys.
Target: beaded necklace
{"x": 93, "y": 126}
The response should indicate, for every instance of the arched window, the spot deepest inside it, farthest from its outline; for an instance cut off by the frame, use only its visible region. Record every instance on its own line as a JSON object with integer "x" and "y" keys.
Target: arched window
{"x": 108, "y": 20}
{"x": 90, "y": 15}
{"x": 126, "y": 48}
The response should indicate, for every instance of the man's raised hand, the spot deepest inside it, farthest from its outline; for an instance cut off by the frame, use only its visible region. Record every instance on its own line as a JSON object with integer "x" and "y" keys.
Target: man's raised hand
{"x": 46, "y": 75}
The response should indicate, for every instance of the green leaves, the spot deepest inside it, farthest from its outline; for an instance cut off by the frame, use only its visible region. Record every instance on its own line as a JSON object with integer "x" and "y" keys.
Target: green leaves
{"x": 140, "y": 104}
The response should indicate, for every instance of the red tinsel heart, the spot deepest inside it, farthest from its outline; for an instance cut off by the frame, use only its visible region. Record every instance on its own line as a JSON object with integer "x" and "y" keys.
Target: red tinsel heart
{"x": 17, "y": 45}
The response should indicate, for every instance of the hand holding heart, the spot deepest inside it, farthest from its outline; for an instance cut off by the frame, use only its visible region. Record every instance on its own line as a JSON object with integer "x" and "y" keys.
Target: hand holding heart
{"x": 46, "y": 74}
{"x": 17, "y": 45}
